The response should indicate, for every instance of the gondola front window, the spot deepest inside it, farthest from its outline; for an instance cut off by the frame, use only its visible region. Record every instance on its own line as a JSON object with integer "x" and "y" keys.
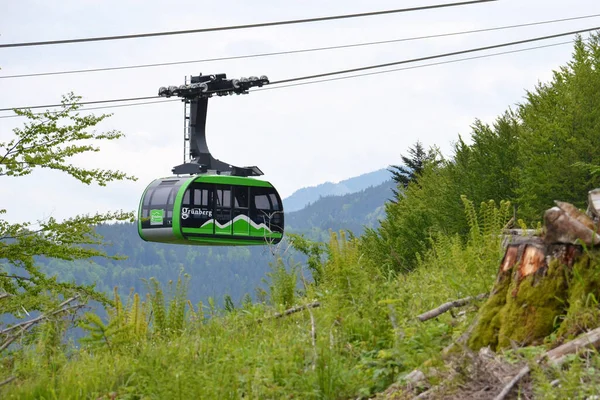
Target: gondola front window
{"x": 157, "y": 206}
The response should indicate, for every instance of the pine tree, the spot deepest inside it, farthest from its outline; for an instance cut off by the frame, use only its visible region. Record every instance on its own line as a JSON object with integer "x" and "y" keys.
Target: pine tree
{"x": 413, "y": 166}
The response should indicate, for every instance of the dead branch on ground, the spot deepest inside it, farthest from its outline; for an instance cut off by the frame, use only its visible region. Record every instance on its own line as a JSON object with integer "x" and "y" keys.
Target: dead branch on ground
{"x": 449, "y": 305}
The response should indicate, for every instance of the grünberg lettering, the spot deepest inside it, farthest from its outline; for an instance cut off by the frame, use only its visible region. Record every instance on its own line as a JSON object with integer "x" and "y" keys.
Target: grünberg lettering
{"x": 186, "y": 212}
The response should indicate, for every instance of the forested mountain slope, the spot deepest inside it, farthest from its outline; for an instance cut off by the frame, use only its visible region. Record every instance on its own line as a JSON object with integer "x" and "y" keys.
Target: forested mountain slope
{"x": 302, "y": 197}
{"x": 352, "y": 212}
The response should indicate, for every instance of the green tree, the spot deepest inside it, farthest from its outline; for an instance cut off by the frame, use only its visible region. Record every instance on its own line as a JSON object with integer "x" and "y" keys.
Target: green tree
{"x": 559, "y": 132}
{"x": 487, "y": 169}
{"x": 50, "y": 140}
{"x": 413, "y": 166}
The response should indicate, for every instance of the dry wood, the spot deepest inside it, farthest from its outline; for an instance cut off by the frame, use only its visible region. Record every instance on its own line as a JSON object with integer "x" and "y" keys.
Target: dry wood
{"x": 289, "y": 311}
{"x": 513, "y": 382}
{"x": 296, "y": 309}
{"x": 24, "y": 326}
{"x": 8, "y": 380}
{"x": 556, "y": 357}
{"x": 449, "y": 305}
{"x": 521, "y": 232}
{"x": 591, "y": 338}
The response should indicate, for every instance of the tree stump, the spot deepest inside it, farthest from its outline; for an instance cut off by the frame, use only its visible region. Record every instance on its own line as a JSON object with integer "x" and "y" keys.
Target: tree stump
{"x": 547, "y": 284}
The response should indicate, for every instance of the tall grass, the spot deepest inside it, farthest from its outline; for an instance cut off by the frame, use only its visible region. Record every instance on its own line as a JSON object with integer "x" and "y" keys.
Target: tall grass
{"x": 363, "y": 337}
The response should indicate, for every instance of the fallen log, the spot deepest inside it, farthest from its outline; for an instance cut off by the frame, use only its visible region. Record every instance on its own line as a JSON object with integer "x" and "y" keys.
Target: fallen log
{"x": 450, "y": 305}
{"x": 555, "y": 357}
{"x": 290, "y": 311}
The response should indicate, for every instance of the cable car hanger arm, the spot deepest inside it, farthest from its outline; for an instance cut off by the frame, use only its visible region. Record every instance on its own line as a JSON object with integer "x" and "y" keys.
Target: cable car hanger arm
{"x": 195, "y": 95}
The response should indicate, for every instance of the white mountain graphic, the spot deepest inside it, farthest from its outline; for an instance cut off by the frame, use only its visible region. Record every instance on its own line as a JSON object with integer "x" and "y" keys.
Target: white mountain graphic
{"x": 238, "y": 218}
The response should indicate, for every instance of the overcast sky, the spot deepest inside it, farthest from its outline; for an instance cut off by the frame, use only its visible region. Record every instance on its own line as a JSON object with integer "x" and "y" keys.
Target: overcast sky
{"x": 299, "y": 136}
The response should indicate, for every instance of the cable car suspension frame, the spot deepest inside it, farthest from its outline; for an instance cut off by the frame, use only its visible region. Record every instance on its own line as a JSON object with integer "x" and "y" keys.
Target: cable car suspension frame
{"x": 195, "y": 95}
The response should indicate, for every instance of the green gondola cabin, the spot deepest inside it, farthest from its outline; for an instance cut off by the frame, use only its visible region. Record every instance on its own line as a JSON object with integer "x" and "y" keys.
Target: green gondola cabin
{"x": 209, "y": 202}
{"x": 211, "y": 210}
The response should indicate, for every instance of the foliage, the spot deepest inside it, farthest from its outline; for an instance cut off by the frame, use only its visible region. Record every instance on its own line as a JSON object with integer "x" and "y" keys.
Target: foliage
{"x": 559, "y": 128}
{"x": 282, "y": 284}
{"x": 545, "y": 150}
{"x": 50, "y": 140}
{"x": 578, "y": 379}
{"x": 135, "y": 321}
{"x": 314, "y": 251}
{"x": 361, "y": 339}
{"x": 413, "y": 166}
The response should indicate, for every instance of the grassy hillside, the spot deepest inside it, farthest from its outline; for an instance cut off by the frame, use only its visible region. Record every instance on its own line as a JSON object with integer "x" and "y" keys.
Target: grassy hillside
{"x": 359, "y": 340}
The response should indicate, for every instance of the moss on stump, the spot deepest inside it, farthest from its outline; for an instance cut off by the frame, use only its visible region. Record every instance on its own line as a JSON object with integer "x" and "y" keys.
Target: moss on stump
{"x": 540, "y": 290}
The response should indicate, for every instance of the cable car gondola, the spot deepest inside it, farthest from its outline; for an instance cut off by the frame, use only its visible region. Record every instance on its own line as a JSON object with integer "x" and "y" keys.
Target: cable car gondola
{"x": 216, "y": 203}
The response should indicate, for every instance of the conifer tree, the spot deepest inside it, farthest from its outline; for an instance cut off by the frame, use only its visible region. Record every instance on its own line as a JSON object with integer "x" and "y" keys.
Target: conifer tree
{"x": 413, "y": 166}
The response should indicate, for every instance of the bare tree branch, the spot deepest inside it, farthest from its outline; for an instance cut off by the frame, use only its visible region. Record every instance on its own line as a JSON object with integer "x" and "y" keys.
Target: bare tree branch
{"x": 449, "y": 305}
{"x": 8, "y": 380}
{"x": 24, "y": 326}
{"x": 555, "y": 357}
{"x": 296, "y": 309}
{"x": 15, "y": 277}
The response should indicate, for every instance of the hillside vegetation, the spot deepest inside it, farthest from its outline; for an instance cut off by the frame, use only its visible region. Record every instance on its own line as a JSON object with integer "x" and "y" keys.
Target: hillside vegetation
{"x": 351, "y": 329}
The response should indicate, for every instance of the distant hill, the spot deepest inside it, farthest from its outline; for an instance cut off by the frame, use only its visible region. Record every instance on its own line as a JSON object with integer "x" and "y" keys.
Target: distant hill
{"x": 302, "y": 197}
{"x": 351, "y": 212}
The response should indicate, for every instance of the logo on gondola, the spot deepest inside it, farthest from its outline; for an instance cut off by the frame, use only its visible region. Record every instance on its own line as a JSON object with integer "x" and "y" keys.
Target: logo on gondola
{"x": 156, "y": 217}
{"x": 186, "y": 212}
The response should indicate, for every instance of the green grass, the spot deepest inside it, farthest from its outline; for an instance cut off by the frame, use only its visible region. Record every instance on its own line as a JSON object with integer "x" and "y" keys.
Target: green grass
{"x": 362, "y": 338}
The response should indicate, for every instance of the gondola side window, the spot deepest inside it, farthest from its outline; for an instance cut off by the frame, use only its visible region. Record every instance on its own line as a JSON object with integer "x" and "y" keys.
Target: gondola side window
{"x": 223, "y": 208}
{"x": 223, "y": 196}
{"x": 197, "y": 206}
{"x": 266, "y": 208}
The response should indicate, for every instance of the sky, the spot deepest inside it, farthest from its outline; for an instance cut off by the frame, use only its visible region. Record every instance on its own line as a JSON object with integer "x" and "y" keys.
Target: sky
{"x": 298, "y": 136}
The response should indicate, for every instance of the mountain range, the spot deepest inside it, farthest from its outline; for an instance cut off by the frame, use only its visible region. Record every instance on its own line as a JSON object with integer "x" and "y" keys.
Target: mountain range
{"x": 303, "y": 197}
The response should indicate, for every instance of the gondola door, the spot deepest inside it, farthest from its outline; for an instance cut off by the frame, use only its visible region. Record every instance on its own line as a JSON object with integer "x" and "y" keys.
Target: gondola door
{"x": 241, "y": 219}
{"x": 222, "y": 216}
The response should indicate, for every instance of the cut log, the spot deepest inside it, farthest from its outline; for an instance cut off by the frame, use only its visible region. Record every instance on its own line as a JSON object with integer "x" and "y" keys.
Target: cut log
{"x": 594, "y": 204}
{"x": 535, "y": 286}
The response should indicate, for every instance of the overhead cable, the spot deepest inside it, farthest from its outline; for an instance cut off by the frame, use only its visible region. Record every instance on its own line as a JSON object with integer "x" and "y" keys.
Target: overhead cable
{"x": 340, "y": 72}
{"x": 85, "y": 103}
{"x": 332, "y": 79}
{"x": 453, "y": 53}
{"x": 258, "y": 25}
{"x": 409, "y": 68}
{"x": 277, "y": 53}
